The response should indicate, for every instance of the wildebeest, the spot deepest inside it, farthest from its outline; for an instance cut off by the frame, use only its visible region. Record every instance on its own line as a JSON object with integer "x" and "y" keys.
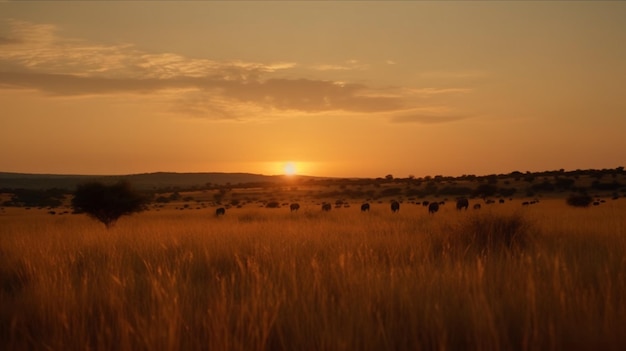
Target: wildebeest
{"x": 220, "y": 211}
{"x": 462, "y": 203}
{"x": 294, "y": 207}
{"x": 433, "y": 207}
{"x": 395, "y": 206}
{"x": 365, "y": 207}
{"x": 326, "y": 207}
{"x": 477, "y": 206}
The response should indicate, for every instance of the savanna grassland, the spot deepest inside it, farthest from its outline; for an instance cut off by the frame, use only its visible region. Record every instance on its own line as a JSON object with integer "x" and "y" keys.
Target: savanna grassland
{"x": 540, "y": 277}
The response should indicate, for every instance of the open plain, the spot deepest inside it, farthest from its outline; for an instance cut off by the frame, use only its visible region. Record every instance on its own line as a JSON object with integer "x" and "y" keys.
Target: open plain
{"x": 546, "y": 276}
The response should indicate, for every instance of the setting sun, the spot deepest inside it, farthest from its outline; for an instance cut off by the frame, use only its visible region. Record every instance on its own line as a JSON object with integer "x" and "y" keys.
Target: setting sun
{"x": 290, "y": 168}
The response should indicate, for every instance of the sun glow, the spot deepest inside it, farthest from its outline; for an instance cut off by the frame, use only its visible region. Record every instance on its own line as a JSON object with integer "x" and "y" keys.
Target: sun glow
{"x": 290, "y": 168}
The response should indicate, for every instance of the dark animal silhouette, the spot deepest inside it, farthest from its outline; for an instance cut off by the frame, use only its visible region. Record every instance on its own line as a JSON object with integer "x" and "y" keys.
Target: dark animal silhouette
{"x": 294, "y": 207}
{"x": 462, "y": 203}
{"x": 220, "y": 211}
{"x": 433, "y": 207}
{"x": 326, "y": 207}
{"x": 477, "y": 206}
{"x": 365, "y": 207}
{"x": 425, "y": 203}
{"x": 395, "y": 206}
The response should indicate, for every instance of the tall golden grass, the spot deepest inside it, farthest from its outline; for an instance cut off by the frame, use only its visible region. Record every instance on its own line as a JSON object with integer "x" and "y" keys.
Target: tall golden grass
{"x": 543, "y": 277}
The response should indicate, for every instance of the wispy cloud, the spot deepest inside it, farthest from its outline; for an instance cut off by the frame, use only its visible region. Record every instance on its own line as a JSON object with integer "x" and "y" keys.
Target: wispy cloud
{"x": 427, "y": 119}
{"x": 35, "y": 57}
{"x": 466, "y": 74}
{"x": 427, "y": 92}
{"x": 345, "y": 66}
{"x": 430, "y": 115}
{"x": 8, "y": 41}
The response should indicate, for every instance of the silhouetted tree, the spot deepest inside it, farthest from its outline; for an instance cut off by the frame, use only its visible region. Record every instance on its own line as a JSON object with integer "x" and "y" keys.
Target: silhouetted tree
{"x": 107, "y": 203}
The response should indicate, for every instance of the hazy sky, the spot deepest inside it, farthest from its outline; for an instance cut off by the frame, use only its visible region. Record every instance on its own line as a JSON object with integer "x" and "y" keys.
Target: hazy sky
{"x": 346, "y": 88}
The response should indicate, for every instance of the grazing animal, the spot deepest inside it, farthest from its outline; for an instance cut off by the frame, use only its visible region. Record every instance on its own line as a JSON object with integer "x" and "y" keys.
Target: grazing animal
{"x": 425, "y": 203}
{"x": 294, "y": 207}
{"x": 326, "y": 207}
{"x": 365, "y": 207}
{"x": 433, "y": 207}
{"x": 501, "y": 201}
{"x": 525, "y": 203}
{"x": 395, "y": 206}
{"x": 220, "y": 211}
{"x": 477, "y": 206}
{"x": 462, "y": 203}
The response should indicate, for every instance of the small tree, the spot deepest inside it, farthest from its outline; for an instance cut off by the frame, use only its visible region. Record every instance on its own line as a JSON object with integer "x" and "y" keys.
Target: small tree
{"x": 107, "y": 203}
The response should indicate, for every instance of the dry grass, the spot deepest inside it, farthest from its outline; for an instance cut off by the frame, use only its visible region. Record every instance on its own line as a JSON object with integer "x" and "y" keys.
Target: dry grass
{"x": 547, "y": 277}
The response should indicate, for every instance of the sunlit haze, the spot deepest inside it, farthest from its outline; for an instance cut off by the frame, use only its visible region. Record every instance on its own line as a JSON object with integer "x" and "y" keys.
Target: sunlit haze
{"x": 346, "y": 89}
{"x": 290, "y": 168}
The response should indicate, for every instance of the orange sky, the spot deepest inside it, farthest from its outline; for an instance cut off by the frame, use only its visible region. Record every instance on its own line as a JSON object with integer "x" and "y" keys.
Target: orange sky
{"x": 349, "y": 88}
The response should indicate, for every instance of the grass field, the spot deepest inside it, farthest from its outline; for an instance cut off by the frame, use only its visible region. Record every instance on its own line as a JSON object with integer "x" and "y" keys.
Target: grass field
{"x": 540, "y": 277}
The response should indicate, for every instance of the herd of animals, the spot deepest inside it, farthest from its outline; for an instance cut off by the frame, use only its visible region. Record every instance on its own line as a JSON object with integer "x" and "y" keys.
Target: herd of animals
{"x": 433, "y": 207}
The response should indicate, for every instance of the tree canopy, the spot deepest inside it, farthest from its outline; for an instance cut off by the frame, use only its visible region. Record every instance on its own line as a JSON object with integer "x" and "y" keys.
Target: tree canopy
{"x": 107, "y": 203}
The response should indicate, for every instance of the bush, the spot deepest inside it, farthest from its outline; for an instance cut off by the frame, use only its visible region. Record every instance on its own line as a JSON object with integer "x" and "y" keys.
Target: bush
{"x": 486, "y": 234}
{"x": 36, "y": 198}
{"x": 273, "y": 204}
{"x": 485, "y": 190}
{"x": 579, "y": 200}
{"x": 107, "y": 203}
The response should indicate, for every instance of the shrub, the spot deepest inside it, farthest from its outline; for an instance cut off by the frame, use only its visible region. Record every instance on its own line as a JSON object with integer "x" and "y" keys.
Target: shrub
{"x": 579, "y": 200}
{"x": 272, "y": 204}
{"x": 36, "y": 198}
{"x": 487, "y": 234}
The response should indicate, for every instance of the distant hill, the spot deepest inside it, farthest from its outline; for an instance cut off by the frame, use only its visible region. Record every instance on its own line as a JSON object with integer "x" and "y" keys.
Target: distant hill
{"x": 144, "y": 181}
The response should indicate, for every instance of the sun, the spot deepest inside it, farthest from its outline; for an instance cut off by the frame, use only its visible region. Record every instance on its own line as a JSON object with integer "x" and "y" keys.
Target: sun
{"x": 290, "y": 168}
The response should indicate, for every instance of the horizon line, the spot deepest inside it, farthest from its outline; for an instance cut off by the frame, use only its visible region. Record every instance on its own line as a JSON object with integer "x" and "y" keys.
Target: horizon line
{"x": 561, "y": 170}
